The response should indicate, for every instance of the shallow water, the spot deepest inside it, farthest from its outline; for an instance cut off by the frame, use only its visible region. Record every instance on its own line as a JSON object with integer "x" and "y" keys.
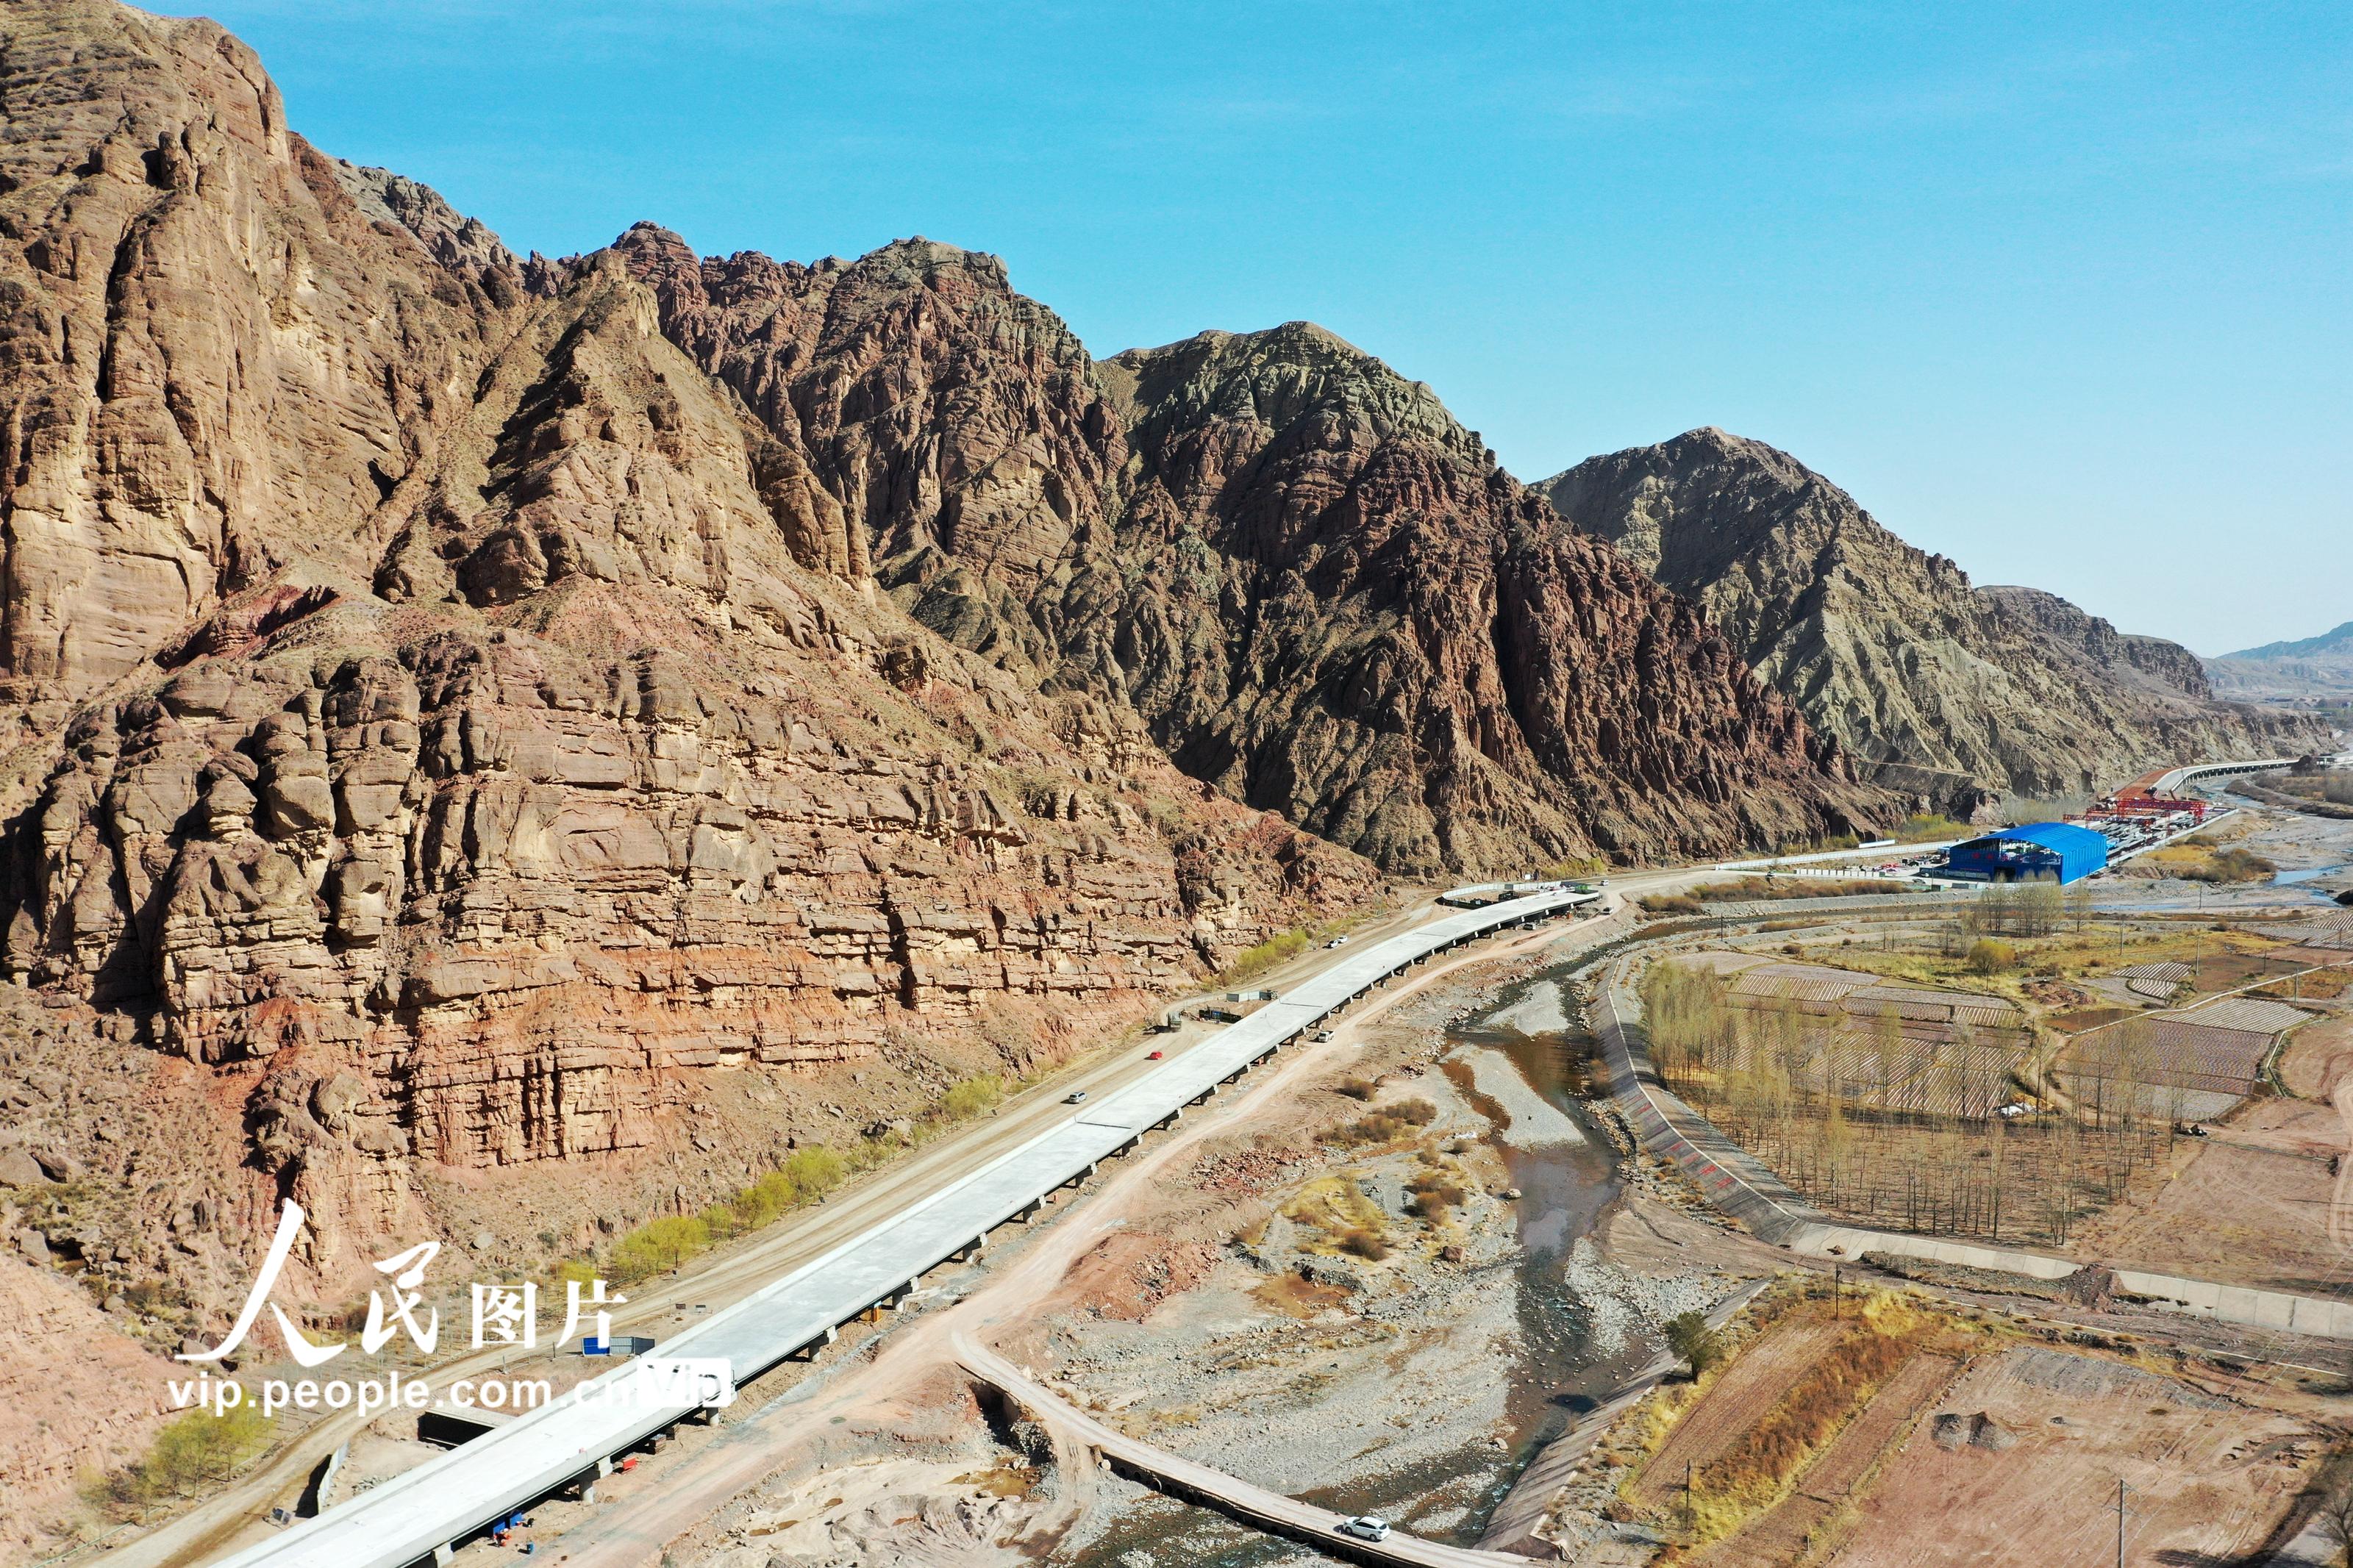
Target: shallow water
{"x": 1566, "y": 1184}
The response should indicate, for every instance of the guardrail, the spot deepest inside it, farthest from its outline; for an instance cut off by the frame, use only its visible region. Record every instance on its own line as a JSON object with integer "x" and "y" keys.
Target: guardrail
{"x": 418, "y": 1515}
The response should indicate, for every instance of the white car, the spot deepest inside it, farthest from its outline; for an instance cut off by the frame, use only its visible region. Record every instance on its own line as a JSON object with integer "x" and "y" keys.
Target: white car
{"x": 1337, "y": 941}
{"x": 1364, "y": 1527}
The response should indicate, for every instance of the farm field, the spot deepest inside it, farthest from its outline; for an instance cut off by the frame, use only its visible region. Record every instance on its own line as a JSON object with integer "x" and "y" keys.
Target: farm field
{"x": 2250, "y": 1204}
{"x": 2209, "y": 1478}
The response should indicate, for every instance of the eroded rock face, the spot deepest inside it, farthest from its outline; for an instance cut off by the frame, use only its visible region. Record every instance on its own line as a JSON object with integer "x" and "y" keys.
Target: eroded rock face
{"x": 1327, "y": 598}
{"x": 958, "y": 424}
{"x": 1319, "y": 590}
{"x": 211, "y": 361}
{"x": 1956, "y": 694}
{"x": 460, "y": 735}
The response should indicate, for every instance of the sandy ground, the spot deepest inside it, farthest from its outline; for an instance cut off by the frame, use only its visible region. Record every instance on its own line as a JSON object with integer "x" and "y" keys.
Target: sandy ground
{"x": 2250, "y": 1206}
{"x": 2207, "y": 1479}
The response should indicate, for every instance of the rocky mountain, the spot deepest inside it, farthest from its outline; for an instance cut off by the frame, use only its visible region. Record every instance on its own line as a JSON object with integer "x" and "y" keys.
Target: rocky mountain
{"x": 1953, "y": 693}
{"x": 500, "y": 748}
{"x": 1325, "y": 596}
{"x": 1316, "y": 589}
{"x": 454, "y": 734}
{"x": 2319, "y": 667}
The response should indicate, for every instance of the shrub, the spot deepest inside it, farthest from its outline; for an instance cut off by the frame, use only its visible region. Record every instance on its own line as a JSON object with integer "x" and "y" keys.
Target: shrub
{"x": 763, "y": 1200}
{"x": 658, "y": 1247}
{"x": 1434, "y": 1196}
{"x": 973, "y": 1097}
{"x": 1354, "y": 1088}
{"x": 1988, "y": 956}
{"x": 1689, "y": 1337}
{"x": 1364, "y": 1244}
{"x": 193, "y": 1452}
{"x": 1670, "y": 904}
{"x": 1256, "y": 960}
{"x": 1386, "y": 1125}
{"x": 816, "y": 1171}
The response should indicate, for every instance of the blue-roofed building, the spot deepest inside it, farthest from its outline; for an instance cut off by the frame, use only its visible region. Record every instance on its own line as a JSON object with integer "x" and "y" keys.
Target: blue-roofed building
{"x": 2041, "y": 851}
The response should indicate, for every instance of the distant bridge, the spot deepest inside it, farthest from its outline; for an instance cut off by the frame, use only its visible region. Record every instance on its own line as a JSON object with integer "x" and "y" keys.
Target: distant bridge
{"x": 1193, "y": 1482}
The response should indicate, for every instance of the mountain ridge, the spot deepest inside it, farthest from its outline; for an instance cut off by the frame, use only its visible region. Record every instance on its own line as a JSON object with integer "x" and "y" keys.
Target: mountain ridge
{"x": 1964, "y": 694}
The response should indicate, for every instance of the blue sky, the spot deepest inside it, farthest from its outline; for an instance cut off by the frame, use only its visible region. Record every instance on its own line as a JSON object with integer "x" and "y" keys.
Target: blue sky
{"x": 2060, "y": 291}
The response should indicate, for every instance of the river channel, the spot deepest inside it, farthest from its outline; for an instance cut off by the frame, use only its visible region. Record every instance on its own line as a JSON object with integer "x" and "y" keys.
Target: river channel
{"x": 1516, "y": 1062}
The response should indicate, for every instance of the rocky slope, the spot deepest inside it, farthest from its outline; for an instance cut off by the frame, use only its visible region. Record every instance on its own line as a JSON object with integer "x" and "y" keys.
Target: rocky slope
{"x": 1325, "y": 596}
{"x": 2319, "y": 667}
{"x": 1316, "y": 588}
{"x": 1957, "y": 694}
{"x": 466, "y": 737}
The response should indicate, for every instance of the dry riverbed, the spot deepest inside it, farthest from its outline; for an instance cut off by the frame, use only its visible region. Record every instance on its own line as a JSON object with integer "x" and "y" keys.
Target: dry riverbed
{"x": 1381, "y": 1290}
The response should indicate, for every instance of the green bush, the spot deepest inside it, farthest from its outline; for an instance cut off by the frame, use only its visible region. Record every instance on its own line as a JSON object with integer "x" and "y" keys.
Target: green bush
{"x": 763, "y": 1200}
{"x": 1690, "y": 1338}
{"x": 658, "y": 1247}
{"x": 973, "y": 1097}
{"x": 1252, "y": 961}
{"x": 193, "y": 1453}
{"x": 816, "y": 1171}
{"x": 1988, "y": 956}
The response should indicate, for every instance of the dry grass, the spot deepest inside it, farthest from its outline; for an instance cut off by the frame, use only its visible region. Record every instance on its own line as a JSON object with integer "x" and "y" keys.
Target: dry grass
{"x": 1825, "y": 1396}
{"x": 1299, "y": 1298}
{"x": 1336, "y": 1206}
{"x": 1386, "y": 1125}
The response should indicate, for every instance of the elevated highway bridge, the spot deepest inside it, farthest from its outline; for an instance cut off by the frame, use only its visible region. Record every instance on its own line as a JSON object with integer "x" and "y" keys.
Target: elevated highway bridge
{"x": 420, "y": 1515}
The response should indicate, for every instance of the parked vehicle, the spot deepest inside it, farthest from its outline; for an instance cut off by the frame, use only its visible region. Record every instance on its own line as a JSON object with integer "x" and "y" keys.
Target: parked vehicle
{"x": 1321, "y": 1036}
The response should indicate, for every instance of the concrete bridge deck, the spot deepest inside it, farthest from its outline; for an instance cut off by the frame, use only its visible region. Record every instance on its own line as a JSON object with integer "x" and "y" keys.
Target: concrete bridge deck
{"x": 1200, "y": 1483}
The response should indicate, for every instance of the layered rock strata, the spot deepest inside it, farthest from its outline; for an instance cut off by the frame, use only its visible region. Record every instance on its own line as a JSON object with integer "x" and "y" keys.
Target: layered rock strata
{"x": 1960, "y": 695}
{"x": 460, "y": 728}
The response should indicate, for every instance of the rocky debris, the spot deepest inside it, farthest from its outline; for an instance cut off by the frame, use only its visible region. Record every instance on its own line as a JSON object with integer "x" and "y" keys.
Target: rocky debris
{"x": 2094, "y": 1285}
{"x": 1953, "y": 1432}
{"x": 86, "y": 1403}
{"x": 1952, "y": 694}
{"x": 1620, "y": 1304}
